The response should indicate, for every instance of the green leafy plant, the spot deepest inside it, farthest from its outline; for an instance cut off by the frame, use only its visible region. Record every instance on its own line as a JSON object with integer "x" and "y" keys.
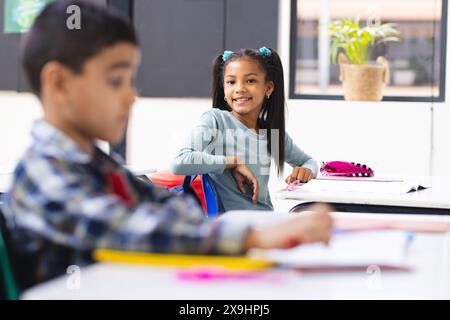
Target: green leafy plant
{"x": 358, "y": 42}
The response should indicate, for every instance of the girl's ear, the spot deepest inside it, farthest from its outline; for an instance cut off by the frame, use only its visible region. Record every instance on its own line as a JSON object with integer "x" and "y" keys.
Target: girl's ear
{"x": 270, "y": 87}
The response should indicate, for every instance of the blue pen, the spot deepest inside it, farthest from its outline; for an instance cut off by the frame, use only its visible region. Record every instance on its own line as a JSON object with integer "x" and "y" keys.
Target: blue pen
{"x": 409, "y": 240}
{"x": 337, "y": 231}
{"x": 410, "y": 237}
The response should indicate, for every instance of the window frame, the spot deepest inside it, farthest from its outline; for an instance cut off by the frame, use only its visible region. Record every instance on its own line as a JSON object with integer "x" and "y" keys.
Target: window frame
{"x": 442, "y": 74}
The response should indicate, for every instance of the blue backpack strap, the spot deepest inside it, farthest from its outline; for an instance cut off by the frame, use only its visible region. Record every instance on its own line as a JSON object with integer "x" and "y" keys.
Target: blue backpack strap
{"x": 188, "y": 180}
{"x": 213, "y": 201}
{"x": 187, "y": 189}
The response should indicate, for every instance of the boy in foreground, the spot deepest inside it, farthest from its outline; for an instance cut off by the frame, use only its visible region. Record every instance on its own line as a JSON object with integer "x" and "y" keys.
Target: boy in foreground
{"x": 69, "y": 198}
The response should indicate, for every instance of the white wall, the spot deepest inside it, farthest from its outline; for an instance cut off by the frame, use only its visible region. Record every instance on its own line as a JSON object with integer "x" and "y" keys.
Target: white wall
{"x": 17, "y": 113}
{"x": 157, "y": 127}
{"x": 441, "y": 141}
{"x": 391, "y": 138}
{"x": 394, "y": 138}
{"x": 441, "y": 127}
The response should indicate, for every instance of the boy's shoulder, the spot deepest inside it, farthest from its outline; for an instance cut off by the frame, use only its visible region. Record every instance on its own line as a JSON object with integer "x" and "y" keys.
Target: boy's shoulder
{"x": 33, "y": 173}
{"x": 39, "y": 167}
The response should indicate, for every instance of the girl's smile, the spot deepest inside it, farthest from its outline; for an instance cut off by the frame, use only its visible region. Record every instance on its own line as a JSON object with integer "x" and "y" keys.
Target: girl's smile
{"x": 240, "y": 101}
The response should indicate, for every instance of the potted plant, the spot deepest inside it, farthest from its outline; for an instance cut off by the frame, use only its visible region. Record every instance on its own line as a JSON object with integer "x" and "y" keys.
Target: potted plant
{"x": 352, "y": 46}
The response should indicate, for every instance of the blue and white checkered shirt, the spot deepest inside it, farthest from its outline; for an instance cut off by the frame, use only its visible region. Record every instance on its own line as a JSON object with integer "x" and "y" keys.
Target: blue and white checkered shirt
{"x": 62, "y": 205}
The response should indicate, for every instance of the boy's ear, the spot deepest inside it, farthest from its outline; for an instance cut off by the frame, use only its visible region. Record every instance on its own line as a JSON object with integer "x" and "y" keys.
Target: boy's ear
{"x": 55, "y": 79}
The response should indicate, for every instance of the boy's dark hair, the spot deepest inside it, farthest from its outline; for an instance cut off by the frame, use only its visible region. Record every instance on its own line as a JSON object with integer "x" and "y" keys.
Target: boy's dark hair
{"x": 51, "y": 40}
{"x": 272, "y": 112}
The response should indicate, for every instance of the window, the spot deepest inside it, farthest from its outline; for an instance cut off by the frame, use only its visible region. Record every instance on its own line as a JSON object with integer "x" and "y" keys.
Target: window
{"x": 417, "y": 62}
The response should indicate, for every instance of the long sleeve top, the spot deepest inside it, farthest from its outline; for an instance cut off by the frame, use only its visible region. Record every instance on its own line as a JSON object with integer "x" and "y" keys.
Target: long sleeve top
{"x": 220, "y": 135}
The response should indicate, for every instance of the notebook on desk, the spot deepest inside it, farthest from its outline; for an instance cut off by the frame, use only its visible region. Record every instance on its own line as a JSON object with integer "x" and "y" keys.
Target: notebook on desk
{"x": 373, "y": 179}
{"x": 378, "y": 223}
{"x": 360, "y": 186}
{"x": 387, "y": 250}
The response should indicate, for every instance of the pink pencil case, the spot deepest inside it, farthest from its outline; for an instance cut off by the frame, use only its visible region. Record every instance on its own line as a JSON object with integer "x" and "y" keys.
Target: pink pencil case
{"x": 345, "y": 169}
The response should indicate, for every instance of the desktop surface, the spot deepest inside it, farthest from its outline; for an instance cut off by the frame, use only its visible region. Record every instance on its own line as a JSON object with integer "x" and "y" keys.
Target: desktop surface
{"x": 429, "y": 278}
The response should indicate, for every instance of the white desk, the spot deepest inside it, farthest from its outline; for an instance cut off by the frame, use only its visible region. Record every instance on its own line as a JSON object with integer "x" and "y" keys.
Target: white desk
{"x": 5, "y": 180}
{"x": 434, "y": 200}
{"x": 430, "y": 279}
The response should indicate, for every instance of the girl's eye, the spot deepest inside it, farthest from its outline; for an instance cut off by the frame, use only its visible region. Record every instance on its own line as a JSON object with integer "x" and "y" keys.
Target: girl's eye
{"x": 229, "y": 82}
{"x": 251, "y": 80}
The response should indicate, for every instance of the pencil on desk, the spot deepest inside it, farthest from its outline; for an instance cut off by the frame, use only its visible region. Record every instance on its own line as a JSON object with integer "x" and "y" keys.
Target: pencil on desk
{"x": 178, "y": 260}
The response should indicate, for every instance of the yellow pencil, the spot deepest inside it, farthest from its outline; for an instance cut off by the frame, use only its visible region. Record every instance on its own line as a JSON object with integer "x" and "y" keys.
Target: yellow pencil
{"x": 178, "y": 260}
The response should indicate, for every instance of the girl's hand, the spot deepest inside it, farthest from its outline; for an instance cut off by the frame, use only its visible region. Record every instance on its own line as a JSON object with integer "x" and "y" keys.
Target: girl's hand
{"x": 306, "y": 227}
{"x": 300, "y": 174}
{"x": 243, "y": 176}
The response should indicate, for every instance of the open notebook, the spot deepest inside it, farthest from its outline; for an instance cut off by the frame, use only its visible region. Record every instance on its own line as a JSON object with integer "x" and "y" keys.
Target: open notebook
{"x": 386, "y": 250}
{"x": 360, "y": 242}
{"x": 360, "y": 186}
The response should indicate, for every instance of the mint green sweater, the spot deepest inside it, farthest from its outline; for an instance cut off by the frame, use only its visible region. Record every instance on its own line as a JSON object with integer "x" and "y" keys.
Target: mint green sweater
{"x": 220, "y": 135}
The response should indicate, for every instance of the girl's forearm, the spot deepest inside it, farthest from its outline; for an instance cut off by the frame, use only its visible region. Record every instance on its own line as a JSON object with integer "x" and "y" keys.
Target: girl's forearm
{"x": 233, "y": 162}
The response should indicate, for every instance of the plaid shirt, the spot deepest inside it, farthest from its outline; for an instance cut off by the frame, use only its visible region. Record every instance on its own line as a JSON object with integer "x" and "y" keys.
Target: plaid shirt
{"x": 63, "y": 203}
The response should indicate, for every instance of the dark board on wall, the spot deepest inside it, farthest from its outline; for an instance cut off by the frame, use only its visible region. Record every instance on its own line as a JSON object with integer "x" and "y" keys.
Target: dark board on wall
{"x": 180, "y": 38}
{"x": 12, "y": 76}
{"x": 9, "y": 57}
{"x": 124, "y": 6}
{"x": 251, "y": 24}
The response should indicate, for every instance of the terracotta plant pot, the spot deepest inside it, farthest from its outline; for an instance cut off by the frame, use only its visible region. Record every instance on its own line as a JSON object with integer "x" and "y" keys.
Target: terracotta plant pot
{"x": 363, "y": 82}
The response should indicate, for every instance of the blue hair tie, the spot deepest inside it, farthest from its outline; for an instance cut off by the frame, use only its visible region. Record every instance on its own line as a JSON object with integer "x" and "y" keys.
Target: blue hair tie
{"x": 226, "y": 55}
{"x": 265, "y": 51}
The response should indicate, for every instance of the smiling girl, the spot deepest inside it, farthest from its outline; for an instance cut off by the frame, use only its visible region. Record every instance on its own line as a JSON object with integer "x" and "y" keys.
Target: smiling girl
{"x": 236, "y": 140}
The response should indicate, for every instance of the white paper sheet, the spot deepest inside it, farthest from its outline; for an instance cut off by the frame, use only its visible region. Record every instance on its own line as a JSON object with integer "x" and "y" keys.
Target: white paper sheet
{"x": 369, "y": 248}
{"x": 379, "y": 187}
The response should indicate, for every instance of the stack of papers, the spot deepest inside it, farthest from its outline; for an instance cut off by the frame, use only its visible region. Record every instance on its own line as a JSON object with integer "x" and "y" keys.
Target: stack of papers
{"x": 409, "y": 224}
{"x": 378, "y": 187}
{"x": 377, "y": 179}
{"x": 347, "y": 251}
